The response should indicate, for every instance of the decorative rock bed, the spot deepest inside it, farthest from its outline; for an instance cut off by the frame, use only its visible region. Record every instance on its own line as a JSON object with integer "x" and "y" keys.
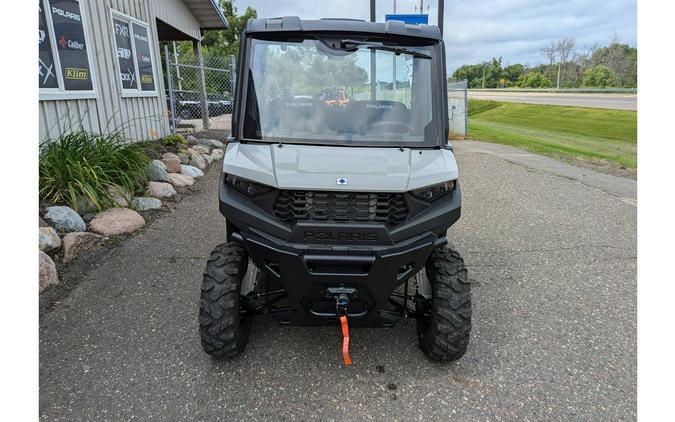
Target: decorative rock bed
{"x": 181, "y": 180}
{"x": 145, "y": 203}
{"x": 191, "y": 171}
{"x": 77, "y": 242}
{"x": 116, "y": 221}
{"x": 164, "y": 175}
{"x": 161, "y": 189}
{"x": 172, "y": 162}
{"x": 65, "y": 219}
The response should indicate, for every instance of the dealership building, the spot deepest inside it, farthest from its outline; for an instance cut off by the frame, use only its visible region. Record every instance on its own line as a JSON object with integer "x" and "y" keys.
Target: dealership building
{"x": 100, "y": 65}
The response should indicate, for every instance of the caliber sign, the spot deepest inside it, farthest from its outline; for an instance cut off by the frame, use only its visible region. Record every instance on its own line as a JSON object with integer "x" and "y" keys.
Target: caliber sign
{"x": 142, "y": 45}
{"x": 71, "y": 45}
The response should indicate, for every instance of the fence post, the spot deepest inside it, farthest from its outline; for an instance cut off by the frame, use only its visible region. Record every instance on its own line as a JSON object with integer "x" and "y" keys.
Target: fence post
{"x": 172, "y": 119}
{"x": 466, "y": 108}
{"x": 233, "y": 76}
{"x": 197, "y": 47}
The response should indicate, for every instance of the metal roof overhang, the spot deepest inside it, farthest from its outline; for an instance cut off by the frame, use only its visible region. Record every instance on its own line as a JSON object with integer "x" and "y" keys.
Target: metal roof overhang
{"x": 208, "y": 14}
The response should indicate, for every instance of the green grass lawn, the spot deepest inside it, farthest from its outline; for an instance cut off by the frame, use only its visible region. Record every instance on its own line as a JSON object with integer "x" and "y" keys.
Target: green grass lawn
{"x": 559, "y": 131}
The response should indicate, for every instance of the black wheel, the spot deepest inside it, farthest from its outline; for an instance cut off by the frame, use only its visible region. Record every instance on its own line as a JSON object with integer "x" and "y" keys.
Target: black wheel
{"x": 223, "y": 326}
{"x": 445, "y": 327}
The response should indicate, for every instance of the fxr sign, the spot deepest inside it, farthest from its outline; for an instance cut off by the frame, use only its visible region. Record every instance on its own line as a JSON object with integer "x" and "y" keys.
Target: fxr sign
{"x": 122, "y": 30}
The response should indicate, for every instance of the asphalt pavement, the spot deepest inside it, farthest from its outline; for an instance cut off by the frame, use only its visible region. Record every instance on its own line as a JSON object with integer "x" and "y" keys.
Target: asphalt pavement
{"x": 618, "y": 101}
{"x": 551, "y": 253}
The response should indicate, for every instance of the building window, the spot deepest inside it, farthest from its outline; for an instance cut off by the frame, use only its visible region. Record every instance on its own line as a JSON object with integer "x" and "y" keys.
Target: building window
{"x": 64, "y": 61}
{"x": 136, "y": 65}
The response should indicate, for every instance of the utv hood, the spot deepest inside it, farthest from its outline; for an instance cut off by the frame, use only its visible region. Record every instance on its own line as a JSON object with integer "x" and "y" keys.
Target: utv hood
{"x": 344, "y": 168}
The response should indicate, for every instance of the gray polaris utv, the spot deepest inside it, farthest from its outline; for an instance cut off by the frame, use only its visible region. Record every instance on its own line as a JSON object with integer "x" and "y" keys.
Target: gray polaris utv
{"x": 338, "y": 187}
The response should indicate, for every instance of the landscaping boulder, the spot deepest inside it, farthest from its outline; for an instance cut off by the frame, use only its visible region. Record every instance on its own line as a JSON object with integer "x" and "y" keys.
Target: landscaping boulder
{"x": 211, "y": 143}
{"x": 76, "y": 242}
{"x": 161, "y": 189}
{"x": 88, "y": 217}
{"x": 172, "y": 162}
{"x": 217, "y": 154}
{"x": 84, "y": 205}
{"x": 208, "y": 158}
{"x": 201, "y": 149}
{"x": 65, "y": 219}
{"x": 145, "y": 203}
{"x": 191, "y": 140}
{"x": 184, "y": 159}
{"x": 191, "y": 171}
{"x": 117, "y": 221}
{"x": 198, "y": 161}
{"x": 181, "y": 180}
{"x": 49, "y": 239}
{"x": 120, "y": 195}
{"x": 48, "y": 274}
{"x": 156, "y": 171}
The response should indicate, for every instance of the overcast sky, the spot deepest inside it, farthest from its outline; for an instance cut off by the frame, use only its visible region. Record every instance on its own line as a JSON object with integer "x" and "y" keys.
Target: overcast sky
{"x": 477, "y": 30}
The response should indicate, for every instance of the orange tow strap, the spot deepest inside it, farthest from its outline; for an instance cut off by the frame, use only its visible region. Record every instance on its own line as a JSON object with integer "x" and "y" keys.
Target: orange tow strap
{"x": 345, "y": 340}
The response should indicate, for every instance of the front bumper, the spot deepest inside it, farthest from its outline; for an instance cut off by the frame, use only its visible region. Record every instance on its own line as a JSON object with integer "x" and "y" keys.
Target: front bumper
{"x": 309, "y": 259}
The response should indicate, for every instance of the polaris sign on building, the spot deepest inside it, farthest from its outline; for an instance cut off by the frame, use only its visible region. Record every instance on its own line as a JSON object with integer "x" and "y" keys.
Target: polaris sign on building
{"x": 99, "y": 62}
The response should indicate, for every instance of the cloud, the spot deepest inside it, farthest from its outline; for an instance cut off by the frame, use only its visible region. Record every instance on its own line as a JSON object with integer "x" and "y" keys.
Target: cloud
{"x": 478, "y": 30}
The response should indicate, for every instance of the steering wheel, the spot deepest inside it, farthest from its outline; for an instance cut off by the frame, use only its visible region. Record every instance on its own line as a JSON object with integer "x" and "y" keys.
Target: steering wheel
{"x": 392, "y": 126}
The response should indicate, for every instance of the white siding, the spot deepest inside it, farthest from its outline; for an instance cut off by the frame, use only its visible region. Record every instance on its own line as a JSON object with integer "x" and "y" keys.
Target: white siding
{"x": 176, "y": 14}
{"x": 136, "y": 117}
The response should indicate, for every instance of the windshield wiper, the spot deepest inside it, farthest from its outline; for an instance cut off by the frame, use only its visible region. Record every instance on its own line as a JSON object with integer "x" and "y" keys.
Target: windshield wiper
{"x": 379, "y": 46}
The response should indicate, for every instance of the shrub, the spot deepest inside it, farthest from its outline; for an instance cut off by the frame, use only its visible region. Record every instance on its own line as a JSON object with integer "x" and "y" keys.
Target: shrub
{"x": 173, "y": 140}
{"x": 534, "y": 80}
{"x": 85, "y": 165}
{"x": 601, "y": 76}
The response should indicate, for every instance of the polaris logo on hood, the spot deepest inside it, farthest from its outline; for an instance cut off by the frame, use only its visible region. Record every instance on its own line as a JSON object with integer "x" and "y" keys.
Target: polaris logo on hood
{"x": 341, "y": 181}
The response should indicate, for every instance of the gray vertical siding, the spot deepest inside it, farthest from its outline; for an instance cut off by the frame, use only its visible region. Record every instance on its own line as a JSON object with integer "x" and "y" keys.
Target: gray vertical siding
{"x": 176, "y": 14}
{"x": 136, "y": 117}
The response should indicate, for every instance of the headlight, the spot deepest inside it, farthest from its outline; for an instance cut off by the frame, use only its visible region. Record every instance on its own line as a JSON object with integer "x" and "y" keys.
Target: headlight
{"x": 433, "y": 192}
{"x": 245, "y": 186}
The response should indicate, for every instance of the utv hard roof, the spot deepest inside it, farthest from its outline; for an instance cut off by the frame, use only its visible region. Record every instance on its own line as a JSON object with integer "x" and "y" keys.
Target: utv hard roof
{"x": 339, "y": 25}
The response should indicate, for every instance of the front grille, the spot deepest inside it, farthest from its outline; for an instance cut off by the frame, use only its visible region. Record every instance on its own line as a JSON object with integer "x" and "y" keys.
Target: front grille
{"x": 387, "y": 208}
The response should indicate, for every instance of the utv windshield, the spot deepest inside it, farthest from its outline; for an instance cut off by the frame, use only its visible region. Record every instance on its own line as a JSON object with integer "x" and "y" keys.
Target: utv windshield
{"x": 339, "y": 91}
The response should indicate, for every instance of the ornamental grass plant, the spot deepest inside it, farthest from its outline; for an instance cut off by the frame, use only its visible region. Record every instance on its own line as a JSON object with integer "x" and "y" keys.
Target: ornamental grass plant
{"x": 82, "y": 166}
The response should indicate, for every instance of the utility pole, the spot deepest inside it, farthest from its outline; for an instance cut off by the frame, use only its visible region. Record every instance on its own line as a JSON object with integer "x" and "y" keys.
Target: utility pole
{"x": 559, "y": 66}
{"x": 394, "y": 67}
{"x": 483, "y": 85}
{"x": 373, "y": 94}
{"x": 441, "y": 15}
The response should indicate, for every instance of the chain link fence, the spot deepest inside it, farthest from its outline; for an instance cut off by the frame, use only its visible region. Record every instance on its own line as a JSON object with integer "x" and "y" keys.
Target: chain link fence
{"x": 458, "y": 108}
{"x": 200, "y": 95}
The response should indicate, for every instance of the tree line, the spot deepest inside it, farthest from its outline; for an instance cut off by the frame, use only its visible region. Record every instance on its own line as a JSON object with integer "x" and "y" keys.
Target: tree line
{"x": 614, "y": 65}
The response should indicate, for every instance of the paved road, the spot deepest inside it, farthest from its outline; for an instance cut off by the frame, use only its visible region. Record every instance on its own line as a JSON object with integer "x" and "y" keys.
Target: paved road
{"x": 551, "y": 251}
{"x": 614, "y": 101}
